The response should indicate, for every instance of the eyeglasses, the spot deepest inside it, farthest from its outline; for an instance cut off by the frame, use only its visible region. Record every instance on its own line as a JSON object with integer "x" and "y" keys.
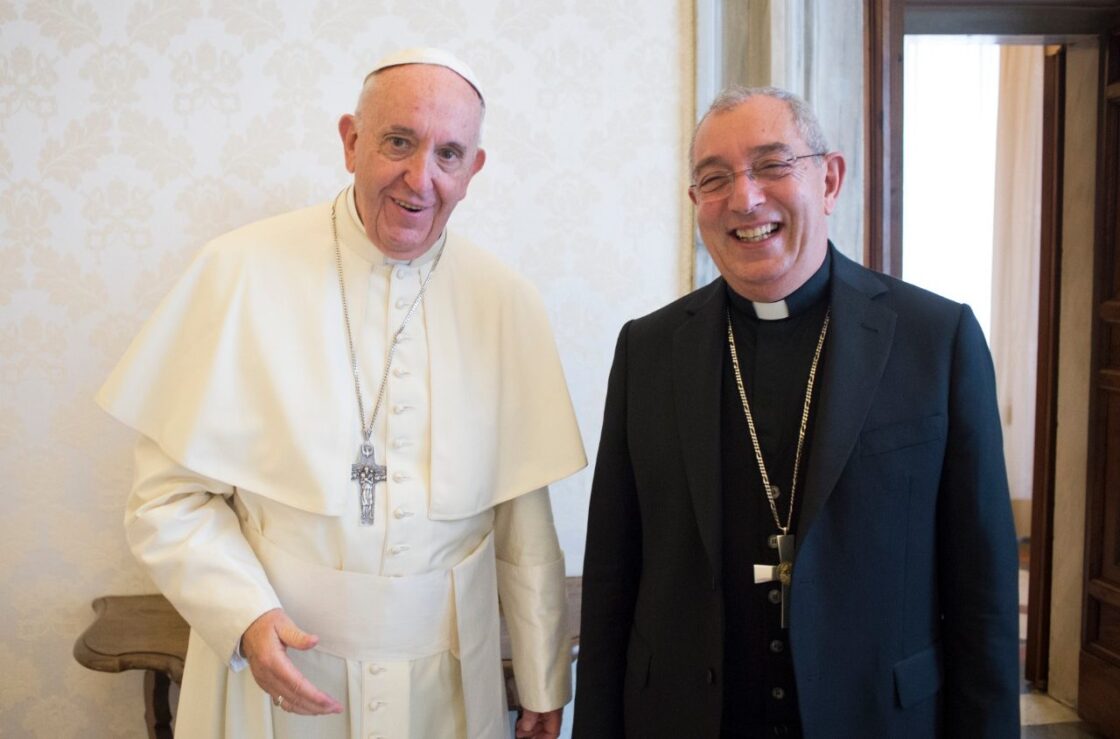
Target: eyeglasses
{"x": 763, "y": 172}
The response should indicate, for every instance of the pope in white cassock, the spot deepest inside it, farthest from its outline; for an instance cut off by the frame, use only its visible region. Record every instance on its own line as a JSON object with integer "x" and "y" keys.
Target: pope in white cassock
{"x": 349, "y": 418}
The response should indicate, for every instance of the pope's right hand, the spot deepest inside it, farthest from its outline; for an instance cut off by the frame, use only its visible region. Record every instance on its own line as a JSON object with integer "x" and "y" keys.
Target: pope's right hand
{"x": 265, "y": 645}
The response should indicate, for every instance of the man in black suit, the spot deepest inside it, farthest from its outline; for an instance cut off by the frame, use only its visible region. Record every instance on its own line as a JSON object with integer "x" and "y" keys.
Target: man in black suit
{"x": 799, "y": 521}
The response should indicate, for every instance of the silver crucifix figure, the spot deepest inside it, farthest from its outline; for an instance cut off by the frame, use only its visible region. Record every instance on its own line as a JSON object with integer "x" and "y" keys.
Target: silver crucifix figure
{"x": 782, "y": 572}
{"x": 368, "y": 473}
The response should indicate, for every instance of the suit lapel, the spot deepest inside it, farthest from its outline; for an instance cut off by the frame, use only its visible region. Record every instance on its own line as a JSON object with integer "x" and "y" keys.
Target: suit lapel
{"x": 697, "y": 373}
{"x": 856, "y": 352}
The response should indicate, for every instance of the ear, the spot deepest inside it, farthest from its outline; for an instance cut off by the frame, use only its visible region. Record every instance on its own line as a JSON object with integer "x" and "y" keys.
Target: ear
{"x": 466, "y": 177}
{"x": 834, "y": 168}
{"x": 692, "y": 197}
{"x": 479, "y": 160}
{"x": 348, "y": 131}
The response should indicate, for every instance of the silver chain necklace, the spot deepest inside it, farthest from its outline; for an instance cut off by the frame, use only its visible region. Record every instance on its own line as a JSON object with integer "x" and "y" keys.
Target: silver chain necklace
{"x": 783, "y": 571}
{"x": 365, "y": 469}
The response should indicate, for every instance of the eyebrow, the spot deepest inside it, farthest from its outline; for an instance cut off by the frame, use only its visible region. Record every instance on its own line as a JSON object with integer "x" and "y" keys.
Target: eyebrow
{"x": 399, "y": 130}
{"x": 772, "y": 148}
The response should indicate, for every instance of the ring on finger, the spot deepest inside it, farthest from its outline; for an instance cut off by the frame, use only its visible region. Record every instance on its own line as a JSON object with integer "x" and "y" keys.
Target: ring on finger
{"x": 278, "y": 701}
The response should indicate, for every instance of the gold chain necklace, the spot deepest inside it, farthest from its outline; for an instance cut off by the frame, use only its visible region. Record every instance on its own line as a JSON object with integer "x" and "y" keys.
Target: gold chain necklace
{"x": 783, "y": 571}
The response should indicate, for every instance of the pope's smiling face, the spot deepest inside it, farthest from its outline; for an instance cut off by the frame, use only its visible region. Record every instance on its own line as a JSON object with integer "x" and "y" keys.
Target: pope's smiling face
{"x": 766, "y": 236}
{"x": 413, "y": 149}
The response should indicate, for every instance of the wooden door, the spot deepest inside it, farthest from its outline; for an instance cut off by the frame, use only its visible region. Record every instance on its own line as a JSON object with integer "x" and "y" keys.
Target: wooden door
{"x": 1037, "y": 661}
{"x": 1099, "y": 689}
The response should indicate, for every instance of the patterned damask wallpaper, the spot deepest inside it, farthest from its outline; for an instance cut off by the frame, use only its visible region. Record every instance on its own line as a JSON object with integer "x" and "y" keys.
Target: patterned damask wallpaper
{"x": 135, "y": 130}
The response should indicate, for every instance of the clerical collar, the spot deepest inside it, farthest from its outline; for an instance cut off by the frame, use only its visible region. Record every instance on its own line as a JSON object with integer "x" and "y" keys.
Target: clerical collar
{"x": 375, "y": 255}
{"x": 813, "y": 290}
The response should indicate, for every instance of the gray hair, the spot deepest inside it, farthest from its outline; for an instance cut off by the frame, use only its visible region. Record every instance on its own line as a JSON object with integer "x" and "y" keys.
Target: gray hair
{"x": 803, "y": 116}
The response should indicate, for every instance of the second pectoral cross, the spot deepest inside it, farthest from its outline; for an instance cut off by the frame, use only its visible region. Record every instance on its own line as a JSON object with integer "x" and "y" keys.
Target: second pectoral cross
{"x": 368, "y": 473}
{"x": 782, "y": 572}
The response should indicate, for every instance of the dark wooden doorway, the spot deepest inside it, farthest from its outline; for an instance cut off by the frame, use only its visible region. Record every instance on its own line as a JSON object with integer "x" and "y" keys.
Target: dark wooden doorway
{"x": 886, "y": 22}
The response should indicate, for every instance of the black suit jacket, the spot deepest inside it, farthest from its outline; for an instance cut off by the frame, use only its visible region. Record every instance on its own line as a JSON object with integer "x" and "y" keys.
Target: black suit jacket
{"x": 904, "y": 607}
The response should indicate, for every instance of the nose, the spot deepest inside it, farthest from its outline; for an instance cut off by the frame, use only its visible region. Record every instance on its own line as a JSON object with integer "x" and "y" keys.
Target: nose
{"x": 746, "y": 194}
{"x": 419, "y": 171}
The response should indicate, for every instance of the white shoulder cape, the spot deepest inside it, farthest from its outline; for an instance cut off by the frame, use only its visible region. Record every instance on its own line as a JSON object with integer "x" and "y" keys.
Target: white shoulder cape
{"x": 243, "y": 375}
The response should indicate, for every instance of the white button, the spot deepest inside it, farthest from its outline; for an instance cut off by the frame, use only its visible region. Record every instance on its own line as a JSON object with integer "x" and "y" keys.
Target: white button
{"x": 400, "y": 408}
{"x": 399, "y": 549}
{"x": 374, "y": 705}
{"x": 401, "y": 272}
{"x": 376, "y": 669}
{"x": 401, "y": 513}
{"x": 402, "y": 303}
{"x": 401, "y": 443}
{"x": 400, "y": 371}
{"x": 400, "y": 476}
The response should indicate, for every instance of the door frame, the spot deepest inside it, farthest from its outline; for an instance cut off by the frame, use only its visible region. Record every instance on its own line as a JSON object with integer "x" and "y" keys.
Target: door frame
{"x": 1099, "y": 671}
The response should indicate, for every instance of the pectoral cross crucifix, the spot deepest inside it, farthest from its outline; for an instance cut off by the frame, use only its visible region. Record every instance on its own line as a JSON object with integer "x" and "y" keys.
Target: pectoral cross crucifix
{"x": 368, "y": 473}
{"x": 782, "y": 572}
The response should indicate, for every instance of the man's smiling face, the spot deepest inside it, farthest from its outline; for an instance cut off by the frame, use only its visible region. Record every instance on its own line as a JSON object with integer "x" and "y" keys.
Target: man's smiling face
{"x": 766, "y": 237}
{"x": 413, "y": 149}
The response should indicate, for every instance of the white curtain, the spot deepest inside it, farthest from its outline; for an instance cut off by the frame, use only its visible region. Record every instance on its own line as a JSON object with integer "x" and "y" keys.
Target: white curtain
{"x": 1015, "y": 256}
{"x": 949, "y": 164}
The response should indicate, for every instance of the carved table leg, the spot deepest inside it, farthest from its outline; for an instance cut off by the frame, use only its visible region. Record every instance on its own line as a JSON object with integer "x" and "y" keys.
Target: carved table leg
{"x": 157, "y": 705}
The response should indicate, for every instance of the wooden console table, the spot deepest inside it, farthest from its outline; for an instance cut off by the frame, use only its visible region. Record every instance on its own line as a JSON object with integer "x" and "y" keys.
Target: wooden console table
{"x": 143, "y": 632}
{"x": 139, "y": 632}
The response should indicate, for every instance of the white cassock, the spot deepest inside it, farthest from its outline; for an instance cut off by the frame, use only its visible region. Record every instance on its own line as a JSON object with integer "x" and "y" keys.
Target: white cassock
{"x": 241, "y": 388}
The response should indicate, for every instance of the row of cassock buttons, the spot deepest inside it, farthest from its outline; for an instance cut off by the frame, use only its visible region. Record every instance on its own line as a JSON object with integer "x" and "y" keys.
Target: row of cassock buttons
{"x": 375, "y": 704}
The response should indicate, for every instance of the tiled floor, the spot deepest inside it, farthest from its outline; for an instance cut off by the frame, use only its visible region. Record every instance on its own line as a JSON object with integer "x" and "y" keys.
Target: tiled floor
{"x": 1043, "y": 717}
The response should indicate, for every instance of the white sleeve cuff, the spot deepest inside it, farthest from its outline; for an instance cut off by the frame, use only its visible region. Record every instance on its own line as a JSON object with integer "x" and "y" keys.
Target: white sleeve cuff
{"x": 237, "y": 661}
{"x": 535, "y": 605}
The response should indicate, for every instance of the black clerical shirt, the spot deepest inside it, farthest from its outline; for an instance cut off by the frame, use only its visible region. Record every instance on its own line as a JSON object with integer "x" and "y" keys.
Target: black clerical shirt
{"x": 760, "y": 696}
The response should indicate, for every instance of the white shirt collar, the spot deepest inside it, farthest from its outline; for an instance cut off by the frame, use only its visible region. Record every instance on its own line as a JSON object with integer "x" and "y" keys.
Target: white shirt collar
{"x": 771, "y": 311}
